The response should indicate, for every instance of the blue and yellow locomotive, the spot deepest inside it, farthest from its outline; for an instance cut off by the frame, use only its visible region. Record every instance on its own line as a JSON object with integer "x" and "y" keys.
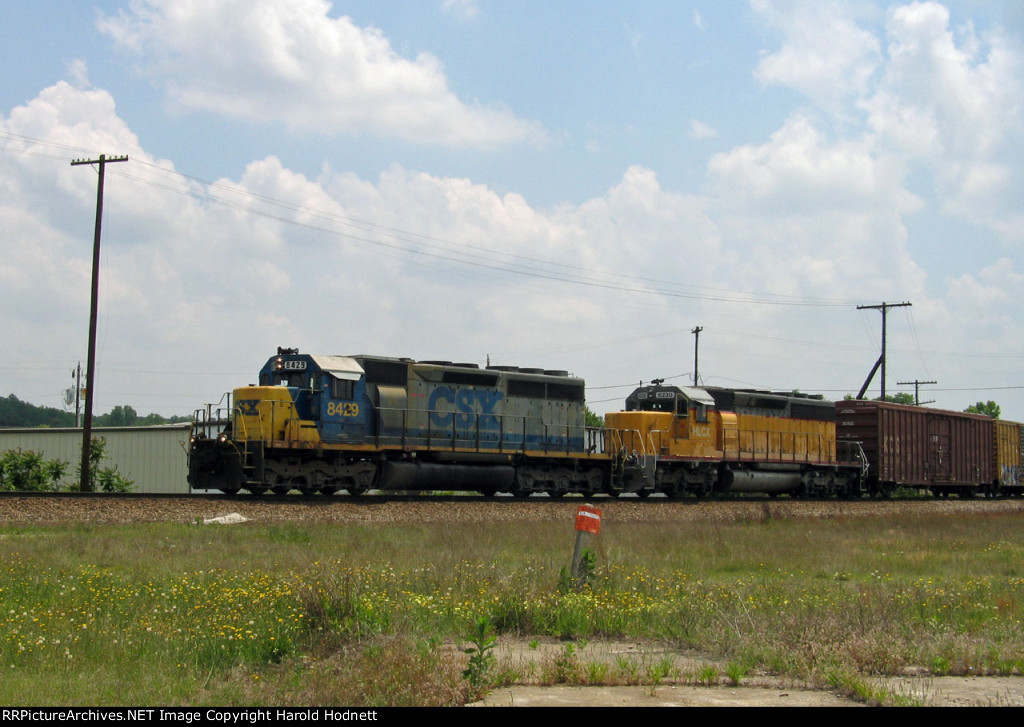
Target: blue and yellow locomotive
{"x": 326, "y": 423}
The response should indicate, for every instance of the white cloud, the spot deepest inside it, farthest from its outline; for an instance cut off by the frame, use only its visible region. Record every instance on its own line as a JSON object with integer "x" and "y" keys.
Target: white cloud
{"x": 407, "y": 262}
{"x": 700, "y": 130}
{"x": 956, "y": 109}
{"x": 224, "y": 273}
{"x": 824, "y": 54}
{"x": 993, "y": 289}
{"x": 462, "y": 9}
{"x": 814, "y": 215}
{"x": 289, "y": 61}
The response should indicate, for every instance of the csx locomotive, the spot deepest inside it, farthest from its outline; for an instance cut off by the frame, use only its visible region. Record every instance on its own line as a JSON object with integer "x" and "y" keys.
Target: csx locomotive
{"x": 320, "y": 424}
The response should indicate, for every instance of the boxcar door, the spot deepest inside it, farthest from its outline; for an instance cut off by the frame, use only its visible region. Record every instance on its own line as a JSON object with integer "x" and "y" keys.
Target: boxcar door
{"x": 940, "y": 460}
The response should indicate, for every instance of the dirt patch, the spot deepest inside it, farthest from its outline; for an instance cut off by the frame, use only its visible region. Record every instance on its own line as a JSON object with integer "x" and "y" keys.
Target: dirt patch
{"x": 664, "y": 696}
{"x": 653, "y": 676}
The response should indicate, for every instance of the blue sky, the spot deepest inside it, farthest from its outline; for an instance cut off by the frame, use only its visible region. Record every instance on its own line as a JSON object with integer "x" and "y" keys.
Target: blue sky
{"x": 569, "y": 185}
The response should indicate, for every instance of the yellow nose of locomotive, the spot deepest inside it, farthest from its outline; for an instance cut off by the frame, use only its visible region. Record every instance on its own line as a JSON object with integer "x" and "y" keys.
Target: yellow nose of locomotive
{"x": 268, "y": 414}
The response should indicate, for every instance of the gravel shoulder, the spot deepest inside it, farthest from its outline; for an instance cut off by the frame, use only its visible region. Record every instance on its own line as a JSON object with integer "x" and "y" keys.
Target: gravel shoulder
{"x": 344, "y": 509}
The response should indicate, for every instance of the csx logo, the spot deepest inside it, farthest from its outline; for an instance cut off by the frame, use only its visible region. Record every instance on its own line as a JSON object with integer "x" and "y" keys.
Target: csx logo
{"x": 472, "y": 407}
{"x": 248, "y": 407}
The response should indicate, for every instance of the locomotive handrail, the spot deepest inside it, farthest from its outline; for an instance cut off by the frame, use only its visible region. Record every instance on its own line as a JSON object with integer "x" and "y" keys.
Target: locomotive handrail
{"x": 204, "y": 421}
{"x": 508, "y": 433}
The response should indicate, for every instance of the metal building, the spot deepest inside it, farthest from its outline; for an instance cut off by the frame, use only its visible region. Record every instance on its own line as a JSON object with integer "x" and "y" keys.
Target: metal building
{"x": 154, "y": 458}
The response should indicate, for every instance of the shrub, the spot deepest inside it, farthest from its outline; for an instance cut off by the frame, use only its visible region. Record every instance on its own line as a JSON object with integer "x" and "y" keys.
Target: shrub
{"x": 27, "y": 471}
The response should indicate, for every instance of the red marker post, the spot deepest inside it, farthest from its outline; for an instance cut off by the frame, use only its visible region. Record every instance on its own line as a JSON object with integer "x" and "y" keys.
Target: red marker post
{"x": 588, "y": 522}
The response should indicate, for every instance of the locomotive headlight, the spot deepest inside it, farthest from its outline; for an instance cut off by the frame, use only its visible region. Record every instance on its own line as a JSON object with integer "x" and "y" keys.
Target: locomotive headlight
{"x": 223, "y": 437}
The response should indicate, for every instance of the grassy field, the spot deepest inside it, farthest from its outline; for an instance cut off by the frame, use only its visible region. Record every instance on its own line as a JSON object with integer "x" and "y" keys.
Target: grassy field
{"x": 401, "y": 614}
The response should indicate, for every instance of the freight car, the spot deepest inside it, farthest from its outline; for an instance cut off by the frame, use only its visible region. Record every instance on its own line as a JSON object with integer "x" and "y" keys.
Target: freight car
{"x": 326, "y": 423}
{"x": 1009, "y": 472}
{"x": 944, "y": 452}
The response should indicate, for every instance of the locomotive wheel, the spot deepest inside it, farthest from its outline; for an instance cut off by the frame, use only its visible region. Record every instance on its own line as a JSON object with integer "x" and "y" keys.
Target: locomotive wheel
{"x": 328, "y": 490}
{"x": 280, "y": 489}
{"x": 356, "y": 491}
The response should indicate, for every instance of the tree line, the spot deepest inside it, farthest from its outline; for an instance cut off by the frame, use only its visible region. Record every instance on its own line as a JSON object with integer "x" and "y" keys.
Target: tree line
{"x": 17, "y": 413}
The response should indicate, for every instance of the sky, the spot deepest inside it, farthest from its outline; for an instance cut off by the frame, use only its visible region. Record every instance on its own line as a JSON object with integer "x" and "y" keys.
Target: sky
{"x": 565, "y": 185}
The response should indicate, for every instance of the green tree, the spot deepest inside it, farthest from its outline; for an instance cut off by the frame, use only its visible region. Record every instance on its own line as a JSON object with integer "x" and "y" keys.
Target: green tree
{"x": 17, "y": 413}
{"x": 901, "y": 398}
{"x": 591, "y": 419}
{"x": 988, "y": 408}
{"x": 121, "y": 416}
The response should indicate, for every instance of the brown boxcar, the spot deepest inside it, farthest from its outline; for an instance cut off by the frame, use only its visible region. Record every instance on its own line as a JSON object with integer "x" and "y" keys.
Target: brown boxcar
{"x": 910, "y": 446}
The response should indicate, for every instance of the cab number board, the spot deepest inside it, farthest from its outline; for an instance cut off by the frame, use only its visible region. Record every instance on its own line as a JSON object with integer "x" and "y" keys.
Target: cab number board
{"x": 342, "y": 409}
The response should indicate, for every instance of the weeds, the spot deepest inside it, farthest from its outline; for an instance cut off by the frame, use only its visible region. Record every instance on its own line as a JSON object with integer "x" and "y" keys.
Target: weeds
{"x": 563, "y": 667}
{"x": 191, "y": 610}
{"x": 735, "y": 673}
{"x": 481, "y": 652}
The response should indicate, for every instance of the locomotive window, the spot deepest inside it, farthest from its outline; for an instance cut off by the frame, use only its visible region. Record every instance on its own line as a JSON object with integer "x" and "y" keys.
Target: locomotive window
{"x": 393, "y": 373}
{"x": 342, "y": 389}
{"x": 469, "y": 378}
{"x": 518, "y": 387}
{"x": 702, "y": 413}
{"x": 565, "y": 391}
{"x": 658, "y": 405}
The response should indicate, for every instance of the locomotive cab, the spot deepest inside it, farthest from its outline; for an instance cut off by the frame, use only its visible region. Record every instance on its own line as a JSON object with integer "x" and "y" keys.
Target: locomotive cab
{"x": 325, "y": 400}
{"x": 670, "y": 421}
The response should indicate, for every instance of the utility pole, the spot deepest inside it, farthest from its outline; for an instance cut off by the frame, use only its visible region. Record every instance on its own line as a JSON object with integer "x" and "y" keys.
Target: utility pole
{"x": 884, "y": 307}
{"x": 85, "y": 482}
{"x": 917, "y": 389}
{"x": 696, "y": 351}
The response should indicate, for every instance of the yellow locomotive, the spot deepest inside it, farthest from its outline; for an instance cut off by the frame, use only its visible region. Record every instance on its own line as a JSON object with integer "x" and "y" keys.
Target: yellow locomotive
{"x": 702, "y": 440}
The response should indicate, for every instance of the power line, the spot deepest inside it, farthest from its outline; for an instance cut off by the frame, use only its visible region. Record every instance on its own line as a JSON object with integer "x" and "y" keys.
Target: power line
{"x": 407, "y": 242}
